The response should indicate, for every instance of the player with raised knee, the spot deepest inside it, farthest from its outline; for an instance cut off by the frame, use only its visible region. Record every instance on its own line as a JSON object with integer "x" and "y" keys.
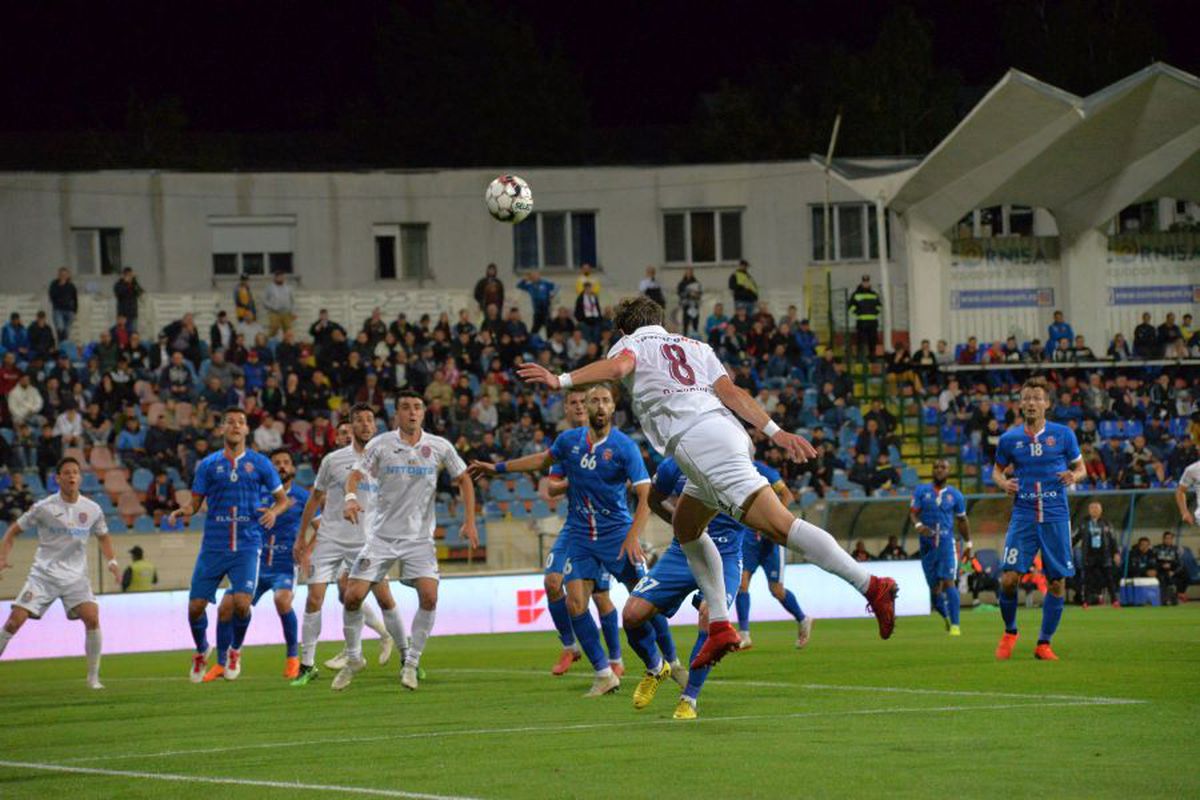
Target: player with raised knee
{"x": 1045, "y": 461}
{"x": 683, "y": 397}
{"x": 598, "y": 462}
{"x": 404, "y": 464}
{"x": 276, "y": 574}
{"x": 760, "y": 552}
{"x": 936, "y": 512}
{"x": 328, "y": 555}
{"x": 231, "y": 484}
{"x": 63, "y": 522}
{"x": 556, "y": 561}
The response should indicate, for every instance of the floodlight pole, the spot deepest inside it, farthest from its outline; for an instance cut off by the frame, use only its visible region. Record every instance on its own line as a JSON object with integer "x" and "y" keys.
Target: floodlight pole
{"x": 885, "y": 284}
{"x": 828, "y": 226}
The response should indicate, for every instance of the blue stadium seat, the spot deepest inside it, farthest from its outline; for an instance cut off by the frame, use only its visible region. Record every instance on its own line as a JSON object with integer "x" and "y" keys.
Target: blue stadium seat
{"x": 909, "y": 477}
{"x": 1110, "y": 429}
{"x": 305, "y": 475}
{"x": 8, "y": 435}
{"x": 929, "y": 415}
{"x": 115, "y": 523}
{"x": 1133, "y": 428}
{"x": 1178, "y": 427}
{"x": 5, "y": 481}
{"x": 950, "y": 434}
{"x": 105, "y": 502}
{"x": 500, "y": 492}
{"x": 841, "y": 483}
{"x": 808, "y": 497}
{"x": 143, "y": 524}
{"x": 492, "y": 510}
{"x": 90, "y": 484}
{"x": 141, "y": 479}
{"x": 69, "y": 349}
{"x": 518, "y": 510}
{"x": 34, "y": 482}
{"x": 541, "y": 509}
{"x": 526, "y": 490}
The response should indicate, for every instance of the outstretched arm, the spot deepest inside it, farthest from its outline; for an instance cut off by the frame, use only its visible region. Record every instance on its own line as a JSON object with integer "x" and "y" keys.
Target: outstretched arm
{"x": 466, "y": 493}
{"x": 529, "y": 463}
{"x": 607, "y": 369}
{"x": 633, "y": 540}
{"x": 6, "y": 544}
{"x": 739, "y": 401}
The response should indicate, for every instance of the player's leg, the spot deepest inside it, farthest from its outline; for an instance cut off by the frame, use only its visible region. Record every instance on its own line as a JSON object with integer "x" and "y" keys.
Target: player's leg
{"x": 742, "y": 606}
{"x": 1020, "y": 546}
{"x": 291, "y": 629}
{"x": 16, "y": 618}
{"x": 422, "y": 626}
{"x": 357, "y": 588}
{"x": 610, "y": 624}
{"x": 310, "y": 630}
{"x": 686, "y": 708}
{"x": 245, "y": 587}
{"x": 556, "y": 602}
{"x": 656, "y": 596}
{"x": 206, "y": 575}
{"x": 31, "y": 602}
{"x": 390, "y": 627}
{"x": 89, "y": 614}
{"x": 929, "y": 565}
{"x": 772, "y": 564}
{"x": 1055, "y": 543}
{"x": 224, "y": 637}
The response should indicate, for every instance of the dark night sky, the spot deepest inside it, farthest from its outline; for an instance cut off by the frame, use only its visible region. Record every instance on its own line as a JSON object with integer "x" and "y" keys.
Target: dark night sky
{"x": 271, "y": 66}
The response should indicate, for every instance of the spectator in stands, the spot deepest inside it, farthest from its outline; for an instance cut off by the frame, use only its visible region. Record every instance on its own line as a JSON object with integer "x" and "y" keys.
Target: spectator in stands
{"x": 650, "y": 287}
{"x": 892, "y": 551}
{"x": 862, "y": 473}
{"x": 64, "y": 303}
{"x": 716, "y": 322}
{"x": 14, "y": 337}
{"x": 1186, "y": 329}
{"x": 160, "y": 499}
{"x": 128, "y": 292}
{"x": 865, "y": 304}
{"x": 137, "y": 356}
{"x": 1036, "y": 353}
{"x": 1145, "y": 339}
{"x": 267, "y": 439}
{"x": 162, "y": 444}
{"x": 177, "y": 378}
{"x": 860, "y": 552}
{"x": 41, "y": 338}
{"x": 925, "y": 363}
{"x": 221, "y": 333}
{"x": 68, "y": 426}
{"x": 1143, "y": 562}
{"x": 990, "y": 440}
{"x": 280, "y": 303}
{"x": 25, "y": 402}
{"x": 49, "y": 452}
{"x": 1059, "y": 329}
{"x": 16, "y": 499}
{"x": 587, "y": 275}
{"x": 887, "y": 477}
{"x": 1101, "y": 556}
{"x": 489, "y": 290}
{"x": 942, "y": 354}
{"x": 541, "y": 292}
{"x": 1173, "y": 576}
{"x": 1170, "y": 339}
{"x": 97, "y": 427}
{"x": 1062, "y": 352}
{"x": 220, "y": 368}
{"x": 1141, "y": 459}
{"x": 182, "y": 337}
{"x": 1080, "y": 351}
{"x": 744, "y": 287}
{"x": 323, "y": 330}
{"x": 690, "y": 292}
{"x": 588, "y": 313}
{"x": 901, "y": 370}
{"x": 243, "y": 300}
{"x": 1118, "y": 349}
{"x": 249, "y": 328}
{"x": 870, "y": 440}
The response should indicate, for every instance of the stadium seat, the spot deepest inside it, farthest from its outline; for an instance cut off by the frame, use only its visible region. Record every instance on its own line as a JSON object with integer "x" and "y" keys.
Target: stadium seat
{"x": 909, "y": 477}
{"x": 115, "y": 523}
{"x": 1110, "y": 429}
{"x": 116, "y": 482}
{"x": 77, "y": 454}
{"x": 129, "y": 506}
{"x": 102, "y": 459}
{"x": 526, "y": 490}
{"x": 1133, "y": 428}
{"x": 519, "y": 511}
{"x": 105, "y": 502}
{"x": 492, "y": 510}
{"x": 90, "y": 483}
{"x": 142, "y": 478}
{"x": 541, "y": 509}
{"x": 840, "y": 482}
{"x": 184, "y": 413}
{"x": 305, "y": 475}
{"x": 8, "y": 434}
{"x": 1178, "y": 427}
{"x": 500, "y": 492}
{"x": 34, "y": 482}
{"x": 143, "y": 524}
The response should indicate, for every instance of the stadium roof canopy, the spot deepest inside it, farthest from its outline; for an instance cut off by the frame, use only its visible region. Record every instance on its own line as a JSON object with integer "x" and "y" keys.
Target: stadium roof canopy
{"x": 1029, "y": 143}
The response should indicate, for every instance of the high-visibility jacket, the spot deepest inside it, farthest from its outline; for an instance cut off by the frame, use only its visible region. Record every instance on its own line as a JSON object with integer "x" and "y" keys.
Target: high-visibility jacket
{"x": 142, "y": 576}
{"x": 865, "y": 304}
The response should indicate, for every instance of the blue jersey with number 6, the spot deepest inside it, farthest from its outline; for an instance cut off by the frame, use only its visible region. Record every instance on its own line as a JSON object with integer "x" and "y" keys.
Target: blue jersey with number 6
{"x": 597, "y": 472}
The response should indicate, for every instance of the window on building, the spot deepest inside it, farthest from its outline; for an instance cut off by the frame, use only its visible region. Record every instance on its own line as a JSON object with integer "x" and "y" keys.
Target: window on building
{"x": 555, "y": 240}
{"x": 1138, "y": 218}
{"x": 252, "y": 245}
{"x": 702, "y": 236}
{"x": 402, "y": 251}
{"x": 97, "y": 251}
{"x": 994, "y": 221}
{"x": 852, "y": 232}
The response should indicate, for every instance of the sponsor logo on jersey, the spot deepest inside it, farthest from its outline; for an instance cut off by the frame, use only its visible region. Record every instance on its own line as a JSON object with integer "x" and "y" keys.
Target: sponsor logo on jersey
{"x": 529, "y": 605}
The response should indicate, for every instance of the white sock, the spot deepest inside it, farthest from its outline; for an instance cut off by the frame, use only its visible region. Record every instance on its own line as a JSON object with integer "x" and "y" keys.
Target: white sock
{"x": 352, "y": 625}
{"x": 5, "y": 638}
{"x": 704, "y": 560}
{"x": 371, "y": 620}
{"x": 394, "y": 623}
{"x": 604, "y": 673}
{"x": 422, "y": 625}
{"x": 820, "y": 548}
{"x": 91, "y": 646}
{"x": 310, "y": 634}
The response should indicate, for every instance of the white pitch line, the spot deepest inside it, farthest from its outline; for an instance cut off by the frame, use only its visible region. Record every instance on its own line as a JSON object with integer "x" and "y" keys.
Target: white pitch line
{"x": 174, "y": 778}
{"x": 590, "y": 726}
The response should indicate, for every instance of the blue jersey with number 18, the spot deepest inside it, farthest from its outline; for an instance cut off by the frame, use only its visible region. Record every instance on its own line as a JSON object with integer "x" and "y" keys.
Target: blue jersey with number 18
{"x": 1037, "y": 460}
{"x": 597, "y": 472}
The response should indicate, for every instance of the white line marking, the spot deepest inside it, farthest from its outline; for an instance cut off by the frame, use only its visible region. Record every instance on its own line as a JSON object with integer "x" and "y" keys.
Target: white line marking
{"x": 166, "y": 776}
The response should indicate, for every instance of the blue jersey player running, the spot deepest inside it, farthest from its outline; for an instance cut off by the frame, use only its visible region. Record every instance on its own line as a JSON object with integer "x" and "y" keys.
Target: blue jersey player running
{"x": 276, "y": 573}
{"x": 556, "y": 562}
{"x": 597, "y": 462}
{"x": 1045, "y": 460}
{"x": 231, "y": 483}
{"x": 937, "y": 510}
{"x": 760, "y": 552}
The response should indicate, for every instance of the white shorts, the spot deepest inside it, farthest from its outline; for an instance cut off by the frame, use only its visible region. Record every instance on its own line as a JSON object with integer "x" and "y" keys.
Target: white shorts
{"x": 717, "y": 457}
{"x": 329, "y": 560}
{"x": 417, "y": 557}
{"x": 38, "y": 594}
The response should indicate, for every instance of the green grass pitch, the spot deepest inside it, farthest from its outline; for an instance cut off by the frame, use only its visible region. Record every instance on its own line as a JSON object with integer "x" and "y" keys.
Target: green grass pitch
{"x": 922, "y": 715}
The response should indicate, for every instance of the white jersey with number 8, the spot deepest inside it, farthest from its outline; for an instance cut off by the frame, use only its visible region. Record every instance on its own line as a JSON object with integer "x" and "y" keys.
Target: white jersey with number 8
{"x": 672, "y": 383}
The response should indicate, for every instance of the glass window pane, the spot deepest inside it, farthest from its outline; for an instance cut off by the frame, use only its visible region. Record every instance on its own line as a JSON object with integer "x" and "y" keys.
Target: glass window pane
{"x": 253, "y": 264}
{"x": 872, "y": 232}
{"x": 583, "y": 238}
{"x": 525, "y": 243}
{"x": 280, "y": 262}
{"x": 731, "y": 235}
{"x": 385, "y": 257}
{"x": 1020, "y": 221}
{"x": 224, "y": 263}
{"x": 554, "y": 239}
{"x": 850, "y": 232}
{"x": 85, "y": 252}
{"x": 990, "y": 222}
{"x": 414, "y": 242}
{"x": 673, "y": 238}
{"x": 110, "y": 251}
{"x": 818, "y": 233}
{"x": 704, "y": 237}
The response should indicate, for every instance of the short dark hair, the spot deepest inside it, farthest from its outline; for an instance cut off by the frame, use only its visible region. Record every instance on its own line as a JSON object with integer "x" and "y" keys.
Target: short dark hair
{"x": 608, "y": 386}
{"x": 62, "y": 462}
{"x": 359, "y": 408}
{"x": 283, "y": 451}
{"x": 637, "y": 312}
{"x": 233, "y": 410}
{"x": 1037, "y": 382}
{"x": 412, "y": 394}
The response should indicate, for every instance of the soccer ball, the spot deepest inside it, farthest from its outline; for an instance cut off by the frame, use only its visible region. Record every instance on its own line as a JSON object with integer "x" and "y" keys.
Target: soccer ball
{"x": 509, "y": 199}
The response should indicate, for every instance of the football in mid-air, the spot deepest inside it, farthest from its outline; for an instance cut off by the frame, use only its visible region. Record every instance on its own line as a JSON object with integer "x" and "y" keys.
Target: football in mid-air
{"x": 509, "y": 199}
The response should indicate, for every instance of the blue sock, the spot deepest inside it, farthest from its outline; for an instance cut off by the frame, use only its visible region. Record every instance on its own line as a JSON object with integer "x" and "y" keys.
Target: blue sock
{"x": 1052, "y": 609}
{"x": 291, "y": 633}
{"x": 666, "y": 643}
{"x": 610, "y": 627}
{"x": 589, "y": 639}
{"x": 742, "y": 604}
{"x": 696, "y": 676}
{"x": 792, "y": 606}
{"x": 955, "y": 604}
{"x": 199, "y": 628}
{"x": 939, "y": 603}
{"x": 1008, "y": 610}
{"x": 224, "y": 638}
{"x": 562, "y": 620}
{"x": 240, "y": 626}
{"x": 641, "y": 639}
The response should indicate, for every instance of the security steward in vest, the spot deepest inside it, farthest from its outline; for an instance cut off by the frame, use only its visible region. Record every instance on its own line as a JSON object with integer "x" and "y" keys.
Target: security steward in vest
{"x": 865, "y": 305}
{"x": 141, "y": 575}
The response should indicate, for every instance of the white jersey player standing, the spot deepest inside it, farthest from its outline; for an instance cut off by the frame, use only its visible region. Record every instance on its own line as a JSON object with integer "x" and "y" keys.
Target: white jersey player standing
{"x": 63, "y": 522}
{"x": 682, "y": 396}
{"x": 1189, "y": 481}
{"x": 327, "y": 556}
{"x": 404, "y": 464}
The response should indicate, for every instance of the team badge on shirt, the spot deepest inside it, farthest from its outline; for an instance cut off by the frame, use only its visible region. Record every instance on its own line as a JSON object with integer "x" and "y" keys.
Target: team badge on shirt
{"x": 1049, "y": 441}
{"x": 249, "y": 468}
{"x": 608, "y": 454}
{"x": 426, "y": 450}
{"x": 82, "y": 517}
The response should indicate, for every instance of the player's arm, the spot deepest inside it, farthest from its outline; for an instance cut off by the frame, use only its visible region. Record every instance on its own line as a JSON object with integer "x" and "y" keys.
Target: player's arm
{"x": 914, "y": 517}
{"x": 110, "y": 554}
{"x": 661, "y": 505}
{"x": 188, "y": 509}
{"x": 530, "y": 463}
{"x": 963, "y": 526}
{"x": 303, "y": 546}
{"x": 282, "y": 501}
{"x": 633, "y": 540}
{"x": 606, "y": 369}
{"x": 782, "y": 491}
{"x": 555, "y": 487}
{"x": 6, "y": 544}
{"x": 466, "y": 492}
{"x": 1181, "y": 500}
{"x": 1076, "y": 473}
{"x": 739, "y": 401}
{"x": 350, "y": 506}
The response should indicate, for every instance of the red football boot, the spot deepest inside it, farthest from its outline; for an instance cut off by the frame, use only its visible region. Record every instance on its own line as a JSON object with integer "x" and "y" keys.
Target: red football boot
{"x": 1043, "y": 653}
{"x": 722, "y": 638}
{"x": 881, "y": 600}
{"x": 565, "y": 660}
{"x": 1005, "y": 648}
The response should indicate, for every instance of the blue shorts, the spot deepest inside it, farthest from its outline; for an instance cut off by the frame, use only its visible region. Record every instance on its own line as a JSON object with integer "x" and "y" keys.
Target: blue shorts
{"x": 589, "y": 560}
{"x": 211, "y": 566}
{"x": 279, "y": 579}
{"x": 671, "y": 581}
{"x": 556, "y": 563}
{"x": 940, "y": 563}
{"x": 1024, "y": 539}
{"x": 759, "y": 551}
